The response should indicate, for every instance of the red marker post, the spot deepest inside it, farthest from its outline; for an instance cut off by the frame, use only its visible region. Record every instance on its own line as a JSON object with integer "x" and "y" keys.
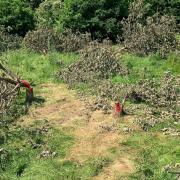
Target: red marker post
{"x": 29, "y": 92}
{"x": 118, "y": 109}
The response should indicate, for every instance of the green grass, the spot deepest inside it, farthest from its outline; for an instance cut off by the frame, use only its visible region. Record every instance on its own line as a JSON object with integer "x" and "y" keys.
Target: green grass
{"x": 147, "y": 67}
{"x": 154, "y": 151}
{"x": 35, "y": 67}
{"x": 24, "y": 162}
{"x": 22, "y": 157}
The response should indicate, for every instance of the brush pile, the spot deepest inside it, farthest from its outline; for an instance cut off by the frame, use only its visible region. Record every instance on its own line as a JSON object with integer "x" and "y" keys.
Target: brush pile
{"x": 8, "y": 41}
{"x": 43, "y": 40}
{"x": 106, "y": 89}
{"x": 148, "y": 35}
{"x": 97, "y": 62}
{"x": 162, "y": 93}
{"x": 8, "y": 90}
{"x": 162, "y": 100}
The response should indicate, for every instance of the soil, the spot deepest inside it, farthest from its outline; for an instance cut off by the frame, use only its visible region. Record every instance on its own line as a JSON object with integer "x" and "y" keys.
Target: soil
{"x": 63, "y": 109}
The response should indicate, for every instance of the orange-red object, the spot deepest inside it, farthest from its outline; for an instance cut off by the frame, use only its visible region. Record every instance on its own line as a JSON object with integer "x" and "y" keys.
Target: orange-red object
{"x": 118, "y": 108}
{"x": 27, "y": 85}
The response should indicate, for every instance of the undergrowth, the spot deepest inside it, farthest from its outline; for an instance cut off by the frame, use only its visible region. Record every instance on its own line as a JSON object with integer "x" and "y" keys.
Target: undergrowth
{"x": 152, "y": 150}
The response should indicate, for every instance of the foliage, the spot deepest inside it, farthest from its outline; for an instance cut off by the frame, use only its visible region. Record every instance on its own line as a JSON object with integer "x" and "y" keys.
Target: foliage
{"x": 34, "y": 3}
{"x": 149, "y": 35}
{"x": 17, "y": 16}
{"x": 99, "y": 18}
{"x": 96, "y": 62}
{"x": 164, "y": 7}
{"x": 44, "y": 40}
{"x": 48, "y": 13}
{"x": 7, "y": 41}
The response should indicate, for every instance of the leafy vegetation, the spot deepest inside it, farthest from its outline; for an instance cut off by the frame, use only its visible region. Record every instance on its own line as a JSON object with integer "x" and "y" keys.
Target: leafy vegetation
{"x": 56, "y": 42}
{"x": 164, "y": 7}
{"x": 154, "y": 153}
{"x": 148, "y": 35}
{"x": 17, "y": 16}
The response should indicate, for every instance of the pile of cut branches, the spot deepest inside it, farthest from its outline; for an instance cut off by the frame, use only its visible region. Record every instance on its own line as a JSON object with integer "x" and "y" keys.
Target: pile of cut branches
{"x": 97, "y": 62}
{"x": 148, "y": 35}
{"x": 8, "y": 89}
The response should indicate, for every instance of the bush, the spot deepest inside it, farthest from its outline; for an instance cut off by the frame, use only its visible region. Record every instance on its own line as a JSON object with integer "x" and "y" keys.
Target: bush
{"x": 40, "y": 40}
{"x": 17, "y": 15}
{"x": 99, "y": 18}
{"x": 8, "y": 41}
{"x": 170, "y": 7}
{"x": 34, "y": 3}
{"x": 149, "y": 35}
{"x": 48, "y": 13}
{"x": 44, "y": 40}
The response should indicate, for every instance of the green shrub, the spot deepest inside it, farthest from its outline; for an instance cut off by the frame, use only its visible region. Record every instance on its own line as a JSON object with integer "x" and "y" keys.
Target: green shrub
{"x": 7, "y": 41}
{"x": 17, "y": 15}
{"x": 34, "y": 3}
{"x": 48, "y": 13}
{"x": 99, "y": 18}
{"x": 170, "y": 7}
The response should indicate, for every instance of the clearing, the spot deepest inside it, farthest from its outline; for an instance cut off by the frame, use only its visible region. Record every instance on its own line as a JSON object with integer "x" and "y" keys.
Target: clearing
{"x": 63, "y": 109}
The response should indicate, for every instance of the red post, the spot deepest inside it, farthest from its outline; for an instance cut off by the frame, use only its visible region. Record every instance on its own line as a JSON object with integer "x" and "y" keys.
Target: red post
{"x": 118, "y": 109}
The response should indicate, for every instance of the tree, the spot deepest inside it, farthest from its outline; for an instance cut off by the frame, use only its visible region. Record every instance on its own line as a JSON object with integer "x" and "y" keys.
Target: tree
{"x": 101, "y": 18}
{"x": 17, "y": 16}
{"x": 48, "y": 13}
{"x": 35, "y": 3}
{"x": 170, "y": 7}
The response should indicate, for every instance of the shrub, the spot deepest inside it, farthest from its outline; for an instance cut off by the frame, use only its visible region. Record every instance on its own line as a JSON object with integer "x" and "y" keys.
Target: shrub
{"x": 99, "y": 18}
{"x": 48, "y": 13}
{"x": 34, "y": 3}
{"x": 17, "y": 15}
{"x": 45, "y": 39}
{"x": 40, "y": 40}
{"x": 170, "y": 7}
{"x": 149, "y": 35}
{"x": 8, "y": 41}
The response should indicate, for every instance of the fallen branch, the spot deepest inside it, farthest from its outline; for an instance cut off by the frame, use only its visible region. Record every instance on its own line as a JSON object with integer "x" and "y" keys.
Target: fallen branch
{"x": 8, "y": 72}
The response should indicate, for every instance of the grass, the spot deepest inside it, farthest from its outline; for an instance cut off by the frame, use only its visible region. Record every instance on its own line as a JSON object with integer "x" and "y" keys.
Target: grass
{"x": 24, "y": 162}
{"x": 152, "y": 151}
{"x": 21, "y": 161}
{"x": 35, "y": 67}
{"x": 147, "y": 67}
{"x": 155, "y": 151}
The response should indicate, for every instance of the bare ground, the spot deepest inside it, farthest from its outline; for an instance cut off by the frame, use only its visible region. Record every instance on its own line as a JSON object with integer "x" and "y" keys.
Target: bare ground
{"x": 64, "y": 110}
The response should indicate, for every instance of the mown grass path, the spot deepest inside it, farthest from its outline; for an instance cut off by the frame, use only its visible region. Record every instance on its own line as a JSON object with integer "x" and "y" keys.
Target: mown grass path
{"x": 64, "y": 110}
